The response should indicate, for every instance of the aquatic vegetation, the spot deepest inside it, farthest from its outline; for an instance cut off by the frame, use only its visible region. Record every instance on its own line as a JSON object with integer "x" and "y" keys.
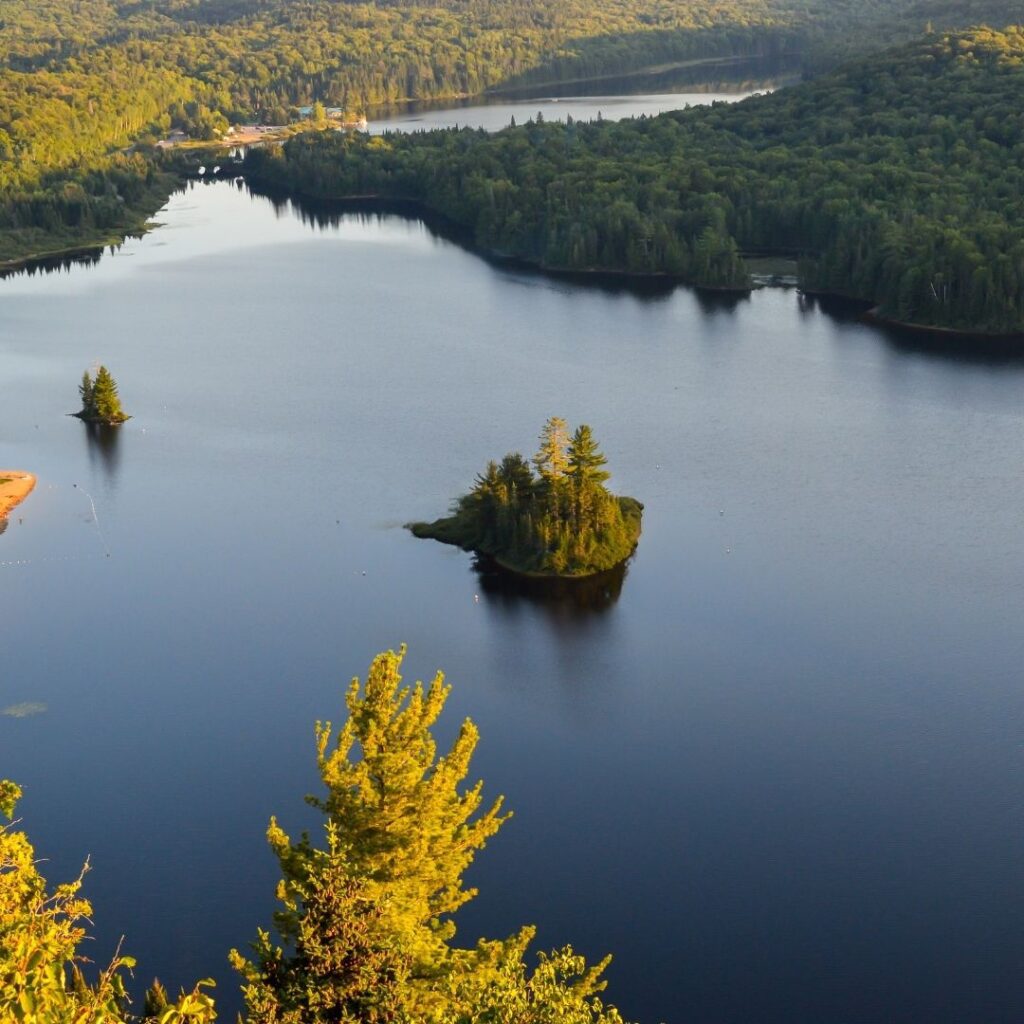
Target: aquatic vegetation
{"x": 24, "y": 710}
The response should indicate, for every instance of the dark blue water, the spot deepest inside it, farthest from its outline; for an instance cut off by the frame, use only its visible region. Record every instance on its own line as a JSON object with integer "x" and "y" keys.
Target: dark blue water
{"x": 777, "y": 773}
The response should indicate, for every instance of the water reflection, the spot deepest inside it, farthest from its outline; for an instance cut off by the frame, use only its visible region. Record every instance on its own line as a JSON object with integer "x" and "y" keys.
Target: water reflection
{"x": 103, "y": 444}
{"x": 729, "y": 75}
{"x": 54, "y": 264}
{"x": 977, "y": 349}
{"x": 564, "y": 601}
{"x": 712, "y": 301}
{"x": 325, "y": 215}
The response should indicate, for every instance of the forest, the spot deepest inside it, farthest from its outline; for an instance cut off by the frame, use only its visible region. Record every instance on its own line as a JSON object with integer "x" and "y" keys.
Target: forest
{"x": 86, "y": 88}
{"x": 561, "y": 521}
{"x": 365, "y": 918}
{"x": 897, "y": 179}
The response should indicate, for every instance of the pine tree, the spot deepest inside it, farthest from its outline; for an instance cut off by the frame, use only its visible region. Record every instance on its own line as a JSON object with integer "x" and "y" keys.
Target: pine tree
{"x": 85, "y": 389}
{"x": 41, "y": 930}
{"x": 586, "y": 459}
{"x": 551, "y": 459}
{"x": 363, "y": 937}
{"x": 395, "y": 817}
{"x": 100, "y": 400}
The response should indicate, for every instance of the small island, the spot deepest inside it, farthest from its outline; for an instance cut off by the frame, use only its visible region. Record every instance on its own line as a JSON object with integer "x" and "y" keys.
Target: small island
{"x": 15, "y": 487}
{"x": 100, "y": 400}
{"x": 560, "y": 521}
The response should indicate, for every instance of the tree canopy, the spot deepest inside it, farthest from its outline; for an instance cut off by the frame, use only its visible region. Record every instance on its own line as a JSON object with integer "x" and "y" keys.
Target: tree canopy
{"x": 365, "y": 926}
{"x": 100, "y": 400}
{"x": 561, "y": 522}
{"x": 87, "y": 88}
{"x": 42, "y": 979}
{"x": 365, "y": 932}
{"x": 896, "y": 179}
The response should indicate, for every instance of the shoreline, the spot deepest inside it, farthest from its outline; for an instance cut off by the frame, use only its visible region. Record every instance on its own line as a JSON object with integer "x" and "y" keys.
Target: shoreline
{"x": 648, "y": 71}
{"x": 873, "y": 316}
{"x": 15, "y": 486}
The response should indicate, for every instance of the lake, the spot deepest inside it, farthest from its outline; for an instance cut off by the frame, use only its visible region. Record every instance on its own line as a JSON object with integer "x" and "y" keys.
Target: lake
{"x": 775, "y": 769}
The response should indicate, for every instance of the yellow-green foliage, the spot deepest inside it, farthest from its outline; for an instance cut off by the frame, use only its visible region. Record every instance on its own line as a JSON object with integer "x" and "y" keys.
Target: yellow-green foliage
{"x": 563, "y": 522}
{"x": 365, "y": 928}
{"x": 897, "y": 180}
{"x": 400, "y": 832}
{"x": 41, "y": 980}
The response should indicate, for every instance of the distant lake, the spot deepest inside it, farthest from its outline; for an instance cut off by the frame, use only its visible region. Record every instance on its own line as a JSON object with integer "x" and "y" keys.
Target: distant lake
{"x": 643, "y": 93}
{"x": 775, "y": 769}
{"x": 498, "y": 113}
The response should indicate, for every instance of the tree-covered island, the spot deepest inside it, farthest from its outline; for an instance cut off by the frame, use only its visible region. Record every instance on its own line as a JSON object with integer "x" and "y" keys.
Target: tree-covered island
{"x": 559, "y": 521}
{"x": 100, "y": 400}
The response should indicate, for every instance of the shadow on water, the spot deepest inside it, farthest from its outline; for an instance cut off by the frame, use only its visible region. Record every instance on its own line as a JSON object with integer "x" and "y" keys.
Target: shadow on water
{"x": 711, "y": 301}
{"x": 974, "y": 349}
{"x": 330, "y": 214}
{"x": 61, "y": 263}
{"x": 729, "y": 75}
{"x": 103, "y": 446}
{"x": 566, "y": 602}
{"x": 752, "y": 74}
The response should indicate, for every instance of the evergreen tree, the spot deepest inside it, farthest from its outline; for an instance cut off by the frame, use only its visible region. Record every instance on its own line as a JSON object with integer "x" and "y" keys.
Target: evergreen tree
{"x": 551, "y": 459}
{"x": 85, "y": 389}
{"x": 586, "y": 459}
{"x": 363, "y": 937}
{"x": 41, "y": 979}
{"x": 565, "y": 523}
{"x": 100, "y": 400}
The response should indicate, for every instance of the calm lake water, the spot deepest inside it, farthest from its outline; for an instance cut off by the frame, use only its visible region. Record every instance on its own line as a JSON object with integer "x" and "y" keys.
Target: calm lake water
{"x": 499, "y": 113}
{"x": 776, "y": 769}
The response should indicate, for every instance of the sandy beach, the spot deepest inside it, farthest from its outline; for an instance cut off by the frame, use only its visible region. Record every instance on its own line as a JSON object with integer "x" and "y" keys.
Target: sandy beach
{"x": 15, "y": 487}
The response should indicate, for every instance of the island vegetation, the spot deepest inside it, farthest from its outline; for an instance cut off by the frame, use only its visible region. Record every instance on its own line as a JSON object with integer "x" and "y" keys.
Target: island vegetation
{"x": 365, "y": 932}
{"x": 895, "y": 180}
{"x": 560, "y": 521}
{"x": 100, "y": 400}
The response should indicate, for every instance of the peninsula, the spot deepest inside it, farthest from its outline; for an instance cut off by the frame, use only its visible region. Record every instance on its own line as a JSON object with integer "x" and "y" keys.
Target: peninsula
{"x": 15, "y": 487}
{"x": 560, "y": 521}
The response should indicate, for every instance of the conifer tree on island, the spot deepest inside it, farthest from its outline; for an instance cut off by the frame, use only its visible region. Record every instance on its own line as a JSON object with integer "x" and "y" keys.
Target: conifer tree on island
{"x": 561, "y": 522}
{"x": 100, "y": 400}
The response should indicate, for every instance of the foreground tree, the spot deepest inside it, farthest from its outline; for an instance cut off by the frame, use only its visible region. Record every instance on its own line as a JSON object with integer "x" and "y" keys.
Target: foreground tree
{"x": 41, "y": 968}
{"x": 365, "y": 928}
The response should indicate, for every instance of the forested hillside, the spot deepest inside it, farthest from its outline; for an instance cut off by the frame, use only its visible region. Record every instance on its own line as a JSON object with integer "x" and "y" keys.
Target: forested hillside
{"x": 80, "y": 82}
{"x": 898, "y": 179}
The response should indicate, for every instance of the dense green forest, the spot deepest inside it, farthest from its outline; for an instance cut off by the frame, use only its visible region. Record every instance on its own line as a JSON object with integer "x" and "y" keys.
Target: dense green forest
{"x": 81, "y": 82}
{"x": 561, "y": 521}
{"x": 897, "y": 179}
{"x": 364, "y": 934}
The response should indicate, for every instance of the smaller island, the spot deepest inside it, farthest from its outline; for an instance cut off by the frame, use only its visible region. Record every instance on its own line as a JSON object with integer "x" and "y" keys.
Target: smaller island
{"x": 560, "y": 521}
{"x": 100, "y": 400}
{"x": 15, "y": 487}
